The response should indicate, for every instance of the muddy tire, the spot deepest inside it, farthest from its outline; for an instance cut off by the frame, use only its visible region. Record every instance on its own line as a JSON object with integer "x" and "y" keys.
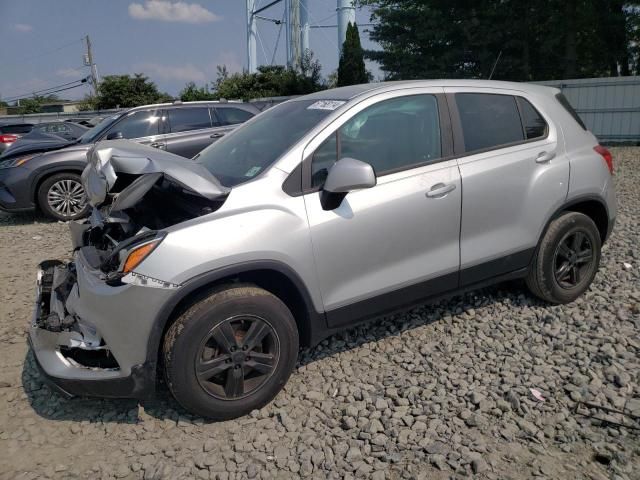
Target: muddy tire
{"x": 566, "y": 260}
{"x": 231, "y": 352}
{"x": 62, "y": 197}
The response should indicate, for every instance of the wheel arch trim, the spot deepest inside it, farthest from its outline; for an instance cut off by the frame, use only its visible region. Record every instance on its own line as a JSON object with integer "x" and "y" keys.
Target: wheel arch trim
{"x": 42, "y": 174}
{"x": 316, "y": 322}
{"x": 573, "y": 202}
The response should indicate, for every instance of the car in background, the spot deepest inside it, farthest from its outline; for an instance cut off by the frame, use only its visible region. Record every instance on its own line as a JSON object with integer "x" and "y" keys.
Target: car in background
{"x": 10, "y": 133}
{"x": 67, "y": 130}
{"x": 19, "y": 134}
{"x": 50, "y": 180}
{"x": 45, "y": 136}
{"x": 86, "y": 122}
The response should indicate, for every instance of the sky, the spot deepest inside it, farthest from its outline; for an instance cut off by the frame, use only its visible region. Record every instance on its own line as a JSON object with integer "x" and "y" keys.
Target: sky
{"x": 170, "y": 41}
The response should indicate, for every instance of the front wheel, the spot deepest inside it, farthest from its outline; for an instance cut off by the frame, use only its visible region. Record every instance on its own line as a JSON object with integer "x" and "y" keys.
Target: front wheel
{"x": 231, "y": 352}
{"x": 62, "y": 197}
{"x": 566, "y": 260}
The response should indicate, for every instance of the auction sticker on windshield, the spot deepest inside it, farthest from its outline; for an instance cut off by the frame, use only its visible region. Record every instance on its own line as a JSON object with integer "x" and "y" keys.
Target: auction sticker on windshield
{"x": 325, "y": 105}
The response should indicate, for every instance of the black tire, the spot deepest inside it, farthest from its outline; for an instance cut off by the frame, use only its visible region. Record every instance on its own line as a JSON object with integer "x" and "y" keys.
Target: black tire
{"x": 557, "y": 274}
{"x": 203, "y": 329}
{"x": 52, "y": 190}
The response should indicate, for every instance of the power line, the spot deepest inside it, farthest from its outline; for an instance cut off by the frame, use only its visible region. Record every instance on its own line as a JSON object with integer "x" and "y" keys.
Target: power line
{"x": 48, "y": 91}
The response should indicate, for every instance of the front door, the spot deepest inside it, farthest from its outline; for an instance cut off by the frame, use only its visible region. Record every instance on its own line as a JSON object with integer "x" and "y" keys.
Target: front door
{"x": 393, "y": 244}
{"x": 142, "y": 126}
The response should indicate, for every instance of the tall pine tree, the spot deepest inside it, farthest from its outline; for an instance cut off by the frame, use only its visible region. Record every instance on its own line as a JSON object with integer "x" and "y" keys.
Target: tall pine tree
{"x": 351, "y": 70}
{"x": 535, "y": 39}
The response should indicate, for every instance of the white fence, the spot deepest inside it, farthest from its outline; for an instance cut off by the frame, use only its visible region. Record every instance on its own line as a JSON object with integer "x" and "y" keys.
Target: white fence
{"x": 610, "y": 107}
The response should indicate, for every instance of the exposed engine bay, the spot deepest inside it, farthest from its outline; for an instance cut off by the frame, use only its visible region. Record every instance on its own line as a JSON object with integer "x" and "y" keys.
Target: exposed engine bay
{"x": 136, "y": 192}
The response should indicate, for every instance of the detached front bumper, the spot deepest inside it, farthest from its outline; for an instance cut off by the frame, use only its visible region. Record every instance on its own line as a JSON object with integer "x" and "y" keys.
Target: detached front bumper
{"x": 89, "y": 338}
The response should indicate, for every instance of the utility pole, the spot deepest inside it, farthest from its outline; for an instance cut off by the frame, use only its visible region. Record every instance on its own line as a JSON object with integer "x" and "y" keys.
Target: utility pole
{"x": 252, "y": 59}
{"x": 295, "y": 54}
{"x": 94, "y": 69}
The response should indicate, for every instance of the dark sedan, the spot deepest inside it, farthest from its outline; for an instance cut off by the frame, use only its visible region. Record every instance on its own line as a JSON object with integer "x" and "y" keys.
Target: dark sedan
{"x": 10, "y": 133}
{"x": 50, "y": 180}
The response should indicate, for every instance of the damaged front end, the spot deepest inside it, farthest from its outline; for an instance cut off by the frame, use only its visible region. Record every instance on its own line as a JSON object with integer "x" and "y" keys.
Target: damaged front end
{"x": 135, "y": 192}
{"x": 93, "y": 315}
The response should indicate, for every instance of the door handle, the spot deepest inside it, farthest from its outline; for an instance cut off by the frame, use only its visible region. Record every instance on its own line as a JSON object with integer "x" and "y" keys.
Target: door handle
{"x": 440, "y": 190}
{"x": 158, "y": 145}
{"x": 216, "y": 135}
{"x": 544, "y": 157}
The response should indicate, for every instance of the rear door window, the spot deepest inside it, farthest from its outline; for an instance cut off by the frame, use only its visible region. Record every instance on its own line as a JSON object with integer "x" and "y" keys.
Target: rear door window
{"x": 488, "y": 120}
{"x": 534, "y": 124}
{"x": 185, "y": 119}
{"x": 232, "y": 116}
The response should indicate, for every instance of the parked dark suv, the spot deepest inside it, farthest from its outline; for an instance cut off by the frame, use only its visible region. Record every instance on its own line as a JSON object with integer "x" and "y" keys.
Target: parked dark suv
{"x": 51, "y": 180}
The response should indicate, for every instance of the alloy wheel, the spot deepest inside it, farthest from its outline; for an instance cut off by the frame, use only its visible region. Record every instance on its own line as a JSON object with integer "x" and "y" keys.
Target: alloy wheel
{"x": 237, "y": 357}
{"x": 66, "y": 197}
{"x": 573, "y": 259}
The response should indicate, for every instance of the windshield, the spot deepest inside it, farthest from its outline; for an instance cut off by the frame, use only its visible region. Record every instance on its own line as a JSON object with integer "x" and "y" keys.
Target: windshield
{"x": 93, "y": 134}
{"x": 252, "y": 148}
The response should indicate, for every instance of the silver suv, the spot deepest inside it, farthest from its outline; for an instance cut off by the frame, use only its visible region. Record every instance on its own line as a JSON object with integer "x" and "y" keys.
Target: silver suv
{"x": 315, "y": 215}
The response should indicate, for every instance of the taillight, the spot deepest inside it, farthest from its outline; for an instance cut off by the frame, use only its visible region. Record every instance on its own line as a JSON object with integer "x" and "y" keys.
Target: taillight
{"x": 606, "y": 156}
{"x": 6, "y": 138}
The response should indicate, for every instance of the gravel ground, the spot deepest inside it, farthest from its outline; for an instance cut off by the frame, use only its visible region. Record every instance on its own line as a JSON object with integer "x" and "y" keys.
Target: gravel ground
{"x": 437, "y": 392}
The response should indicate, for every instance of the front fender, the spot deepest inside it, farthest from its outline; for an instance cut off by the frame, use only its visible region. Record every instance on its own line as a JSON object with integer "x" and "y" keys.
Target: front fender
{"x": 316, "y": 320}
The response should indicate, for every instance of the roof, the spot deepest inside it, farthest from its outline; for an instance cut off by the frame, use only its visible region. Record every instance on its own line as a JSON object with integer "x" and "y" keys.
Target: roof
{"x": 178, "y": 103}
{"x": 352, "y": 91}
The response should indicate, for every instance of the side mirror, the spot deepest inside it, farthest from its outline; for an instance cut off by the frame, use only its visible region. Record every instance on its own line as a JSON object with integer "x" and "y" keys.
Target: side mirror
{"x": 114, "y": 136}
{"x": 347, "y": 174}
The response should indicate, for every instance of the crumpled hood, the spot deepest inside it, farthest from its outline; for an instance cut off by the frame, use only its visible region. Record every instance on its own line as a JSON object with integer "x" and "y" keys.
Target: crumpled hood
{"x": 112, "y": 157}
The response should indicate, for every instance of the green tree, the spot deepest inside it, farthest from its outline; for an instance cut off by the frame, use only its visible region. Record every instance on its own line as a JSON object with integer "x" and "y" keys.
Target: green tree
{"x": 191, "y": 93}
{"x": 351, "y": 69}
{"x": 536, "y": 39}
{"x": 88, "y": 103}
{"x": 125, "y": 91}
{"x": 271, "y": 81}
{"x": 34, "y": 104}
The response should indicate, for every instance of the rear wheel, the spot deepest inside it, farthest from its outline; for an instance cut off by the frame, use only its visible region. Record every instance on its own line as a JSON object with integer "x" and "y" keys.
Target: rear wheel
{"x": 62, "y": 197}
{"x": 231, "y": 352}
{"x": 566, "y": 260}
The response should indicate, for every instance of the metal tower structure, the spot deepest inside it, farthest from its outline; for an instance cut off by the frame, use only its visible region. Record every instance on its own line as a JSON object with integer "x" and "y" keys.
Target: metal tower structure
{"x": 346, "y": 13}
{"x": 296, "y": 21}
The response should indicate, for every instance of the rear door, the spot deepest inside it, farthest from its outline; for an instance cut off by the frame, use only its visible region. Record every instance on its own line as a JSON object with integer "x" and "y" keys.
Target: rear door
{"x": 514, "y": 176}
{"x": 189, "y": 130}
